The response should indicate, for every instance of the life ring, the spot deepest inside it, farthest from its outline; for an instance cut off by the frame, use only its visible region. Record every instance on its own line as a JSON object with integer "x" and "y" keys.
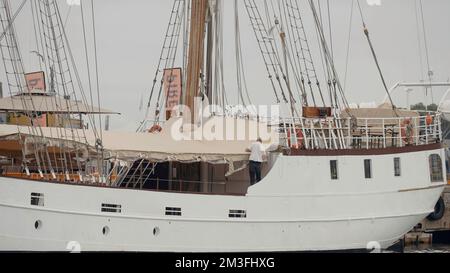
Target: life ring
{"x": 407, "y": 131}
{"x": 439, "y": 210}
{"x": 155, "y": 129}
{"x": 295, "y": 144}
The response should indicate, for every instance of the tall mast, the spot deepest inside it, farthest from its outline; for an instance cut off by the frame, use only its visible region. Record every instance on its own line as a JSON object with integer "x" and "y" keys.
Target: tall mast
{"x": 199, "y": 9}
{"x": 209, "y": 58}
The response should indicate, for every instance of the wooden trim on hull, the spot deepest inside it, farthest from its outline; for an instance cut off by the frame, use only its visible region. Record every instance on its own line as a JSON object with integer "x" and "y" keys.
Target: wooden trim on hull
{"x": 427, "y": 188}
{"x": 358, "y": 152}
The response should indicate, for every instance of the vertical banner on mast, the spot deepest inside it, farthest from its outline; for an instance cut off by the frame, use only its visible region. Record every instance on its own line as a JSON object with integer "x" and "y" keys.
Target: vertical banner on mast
{"x": 172, "y": 88}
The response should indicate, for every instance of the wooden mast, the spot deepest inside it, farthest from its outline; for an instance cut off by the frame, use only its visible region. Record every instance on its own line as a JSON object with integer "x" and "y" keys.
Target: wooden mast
{"x": 199, "y": 9}
{"x": 209, "y": 58}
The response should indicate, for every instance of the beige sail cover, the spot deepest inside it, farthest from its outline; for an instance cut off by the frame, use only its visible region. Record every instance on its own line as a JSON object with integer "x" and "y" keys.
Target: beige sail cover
{"x": 46, "y": 103}
{"x": 376, "y": 116}
{"x": 187, "y": 146}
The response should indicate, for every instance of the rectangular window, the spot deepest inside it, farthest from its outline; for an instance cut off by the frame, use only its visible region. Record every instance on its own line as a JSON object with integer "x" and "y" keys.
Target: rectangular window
{"x": 397, "y": 167}
{"x": 113, "y": 208}
{"x": 368, "y": 168}
{"x": 173, "y": 211}
{"x": 334, "y": 169}
{"x": 37, "y": 199}
{"x": 234, "y": 213}
{"x": 436, "y": 171}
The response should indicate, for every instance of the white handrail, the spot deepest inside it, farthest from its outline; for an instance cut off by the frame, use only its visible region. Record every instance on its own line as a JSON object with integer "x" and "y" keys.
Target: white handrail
{"x": 370, "y": 133}
{"x": 415, "y": 84}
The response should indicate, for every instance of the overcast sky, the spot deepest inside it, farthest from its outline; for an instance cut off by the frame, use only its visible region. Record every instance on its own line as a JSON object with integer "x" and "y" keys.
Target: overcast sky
{"x": 130, "y": 35}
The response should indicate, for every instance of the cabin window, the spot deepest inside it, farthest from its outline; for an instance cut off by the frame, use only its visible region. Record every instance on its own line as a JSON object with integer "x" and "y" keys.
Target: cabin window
{"x": 436, "y": 172}
{"x": 368, "y": 168}
{"x": 397, "y": 167}
{"x": 235, "y": 213}
{"x": 113, "y": 208}
{"x": 173, "y": 211}
{"x": 334, "y": 169}
{"x": 37, "y": 199}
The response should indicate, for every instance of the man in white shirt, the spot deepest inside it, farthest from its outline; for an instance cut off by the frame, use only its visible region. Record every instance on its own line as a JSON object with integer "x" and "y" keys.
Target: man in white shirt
{"x": 257, "y": 154}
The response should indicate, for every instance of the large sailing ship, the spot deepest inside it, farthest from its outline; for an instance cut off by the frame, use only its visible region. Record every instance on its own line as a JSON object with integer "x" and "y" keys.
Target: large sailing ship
{"x": 336, "y": 179}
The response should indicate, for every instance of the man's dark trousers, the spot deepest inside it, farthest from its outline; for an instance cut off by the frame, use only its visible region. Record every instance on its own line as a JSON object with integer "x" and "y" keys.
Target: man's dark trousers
{"x": 255, "y": 172}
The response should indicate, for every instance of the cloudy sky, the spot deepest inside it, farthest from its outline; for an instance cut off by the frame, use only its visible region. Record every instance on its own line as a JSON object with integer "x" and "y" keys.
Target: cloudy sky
{"x": 130, "y": 35}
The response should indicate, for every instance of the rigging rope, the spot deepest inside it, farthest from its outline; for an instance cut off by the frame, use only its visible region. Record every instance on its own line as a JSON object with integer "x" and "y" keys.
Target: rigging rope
{"x": 75, "y": 70}
{"x": 326, "y": 52}
{"x": 56, "y": 58}
{"x": 321, "y": 41}
{"x": 43, "y": 65}
{"x": 285, "y": 49}
{"x": 88, "y": 66}
{"x": 239, "y": 74}
{"x": 167, "y": 55}
{"x": 67, "y": 16}
{"x": 13, "y": 18}
{"x": 293, "y": 47}
{"x": 330, "y": 29}
{"x": 267, "y": 48}
{"x": 348, "y": 43}
{"x": 17, "y": 82}
{"x": 366, "y": 32}
{"x": 60, "y": 47}
{"x": 96, "y": 69}
{"x": 38, "y": 51}
{"x": 170, "y": 60}
{"x": 419, "y": 42}
{"x": 37, "y": 23}
{"x": 304, "y": 53}
{"x": 430, "y": 73}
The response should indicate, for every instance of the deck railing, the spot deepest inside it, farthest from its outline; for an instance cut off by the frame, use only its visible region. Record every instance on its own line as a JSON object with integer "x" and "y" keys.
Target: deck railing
{"x": 360, "y": 133}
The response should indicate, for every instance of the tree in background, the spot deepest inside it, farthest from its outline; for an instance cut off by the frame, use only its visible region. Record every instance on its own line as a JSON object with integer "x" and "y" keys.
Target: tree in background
{"x": 421, "y": 107}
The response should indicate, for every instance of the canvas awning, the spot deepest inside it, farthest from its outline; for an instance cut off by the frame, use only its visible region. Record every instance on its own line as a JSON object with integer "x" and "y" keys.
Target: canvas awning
{"x": 43, "y": 102}
{"x": 378, "y": 115}
{"x": 162, "y": 146}
{"x": 444, "y": 108}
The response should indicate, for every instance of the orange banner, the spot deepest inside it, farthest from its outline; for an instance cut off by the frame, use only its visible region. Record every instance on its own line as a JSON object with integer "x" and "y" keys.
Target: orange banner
{"x": 172, "y": 87}
{"x": 35, "y": 80}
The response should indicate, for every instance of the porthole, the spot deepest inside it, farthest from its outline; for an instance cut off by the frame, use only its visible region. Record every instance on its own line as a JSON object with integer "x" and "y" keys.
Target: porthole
{"x": 105, "y": 230}
{"x": 156, "y": 231}
{"x": 38, "y": 224}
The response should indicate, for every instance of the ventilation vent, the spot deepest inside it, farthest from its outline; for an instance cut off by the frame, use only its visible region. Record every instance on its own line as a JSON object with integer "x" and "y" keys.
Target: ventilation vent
{"x": 37, "y": 199}
{"x": 237, "y": 213}
{"x": 112, "y": 208}
{"x": 173, "y": 211}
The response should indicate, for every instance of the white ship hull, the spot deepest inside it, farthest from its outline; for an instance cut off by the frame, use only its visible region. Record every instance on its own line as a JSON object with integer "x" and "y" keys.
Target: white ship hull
{"x": 297, "y": 207}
